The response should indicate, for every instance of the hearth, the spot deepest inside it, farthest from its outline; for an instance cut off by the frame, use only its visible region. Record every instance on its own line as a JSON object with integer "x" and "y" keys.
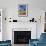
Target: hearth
{"x": 22, "y": 37}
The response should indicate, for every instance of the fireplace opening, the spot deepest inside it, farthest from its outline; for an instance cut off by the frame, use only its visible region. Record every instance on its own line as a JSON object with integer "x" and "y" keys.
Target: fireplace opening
{"x": 22, "y": 37}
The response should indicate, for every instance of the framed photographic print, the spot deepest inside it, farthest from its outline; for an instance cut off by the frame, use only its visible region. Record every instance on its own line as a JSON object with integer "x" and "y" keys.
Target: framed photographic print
{"x": 22, "y": 10}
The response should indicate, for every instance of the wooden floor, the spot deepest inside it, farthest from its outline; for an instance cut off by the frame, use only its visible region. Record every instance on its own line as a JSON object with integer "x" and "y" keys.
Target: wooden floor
{"x": 20, "y": 45}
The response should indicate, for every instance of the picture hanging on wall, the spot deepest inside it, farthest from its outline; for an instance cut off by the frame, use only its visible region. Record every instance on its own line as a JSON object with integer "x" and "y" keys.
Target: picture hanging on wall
{"x": 23, "y": 10}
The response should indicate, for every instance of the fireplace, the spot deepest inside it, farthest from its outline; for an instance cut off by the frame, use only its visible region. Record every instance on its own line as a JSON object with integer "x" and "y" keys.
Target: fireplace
{"x": 22, "y": 37}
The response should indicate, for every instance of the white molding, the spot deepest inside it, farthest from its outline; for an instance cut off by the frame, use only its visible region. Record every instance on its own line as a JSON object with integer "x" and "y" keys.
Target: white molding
{"x": 1, "y": 25}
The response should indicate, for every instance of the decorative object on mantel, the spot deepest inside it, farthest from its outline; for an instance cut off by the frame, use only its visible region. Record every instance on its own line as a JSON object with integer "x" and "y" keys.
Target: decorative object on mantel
{"x": 9, "y": 21}
{"x": 22, "y": 10}
{"x": 5, "y": 18}
{"x": 14, "y": 20}
{"x": 9, "y": 18}
{"x": 32, "y": 20}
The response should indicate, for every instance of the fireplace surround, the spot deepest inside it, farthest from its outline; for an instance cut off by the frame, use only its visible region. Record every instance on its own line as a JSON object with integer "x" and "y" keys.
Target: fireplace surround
{"x": 21, "y": 35}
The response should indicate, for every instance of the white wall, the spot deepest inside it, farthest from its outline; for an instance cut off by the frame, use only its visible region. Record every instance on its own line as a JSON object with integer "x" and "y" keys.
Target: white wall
{"x": 35, "y": 3}
{"x": 1, "y": 25}
{"x": 4, "y": 24}
{"x": 11, "y": 10}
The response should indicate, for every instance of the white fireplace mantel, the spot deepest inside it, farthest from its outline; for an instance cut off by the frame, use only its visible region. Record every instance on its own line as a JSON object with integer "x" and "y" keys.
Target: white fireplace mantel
{"x": 22, "y": 27}
{"x": 26, "y": 27}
